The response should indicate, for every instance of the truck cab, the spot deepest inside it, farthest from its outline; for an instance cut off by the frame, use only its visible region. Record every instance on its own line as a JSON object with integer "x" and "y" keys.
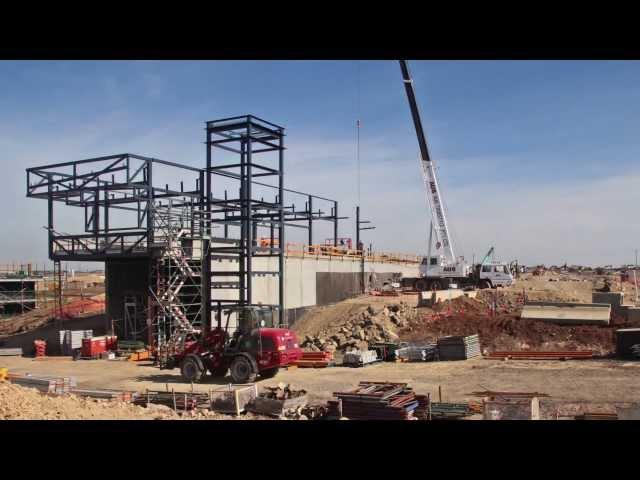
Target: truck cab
{"x": 494, "y": 274}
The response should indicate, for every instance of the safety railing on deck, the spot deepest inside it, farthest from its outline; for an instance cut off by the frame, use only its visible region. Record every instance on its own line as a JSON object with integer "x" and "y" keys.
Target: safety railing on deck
{"x": 325, "y": 251}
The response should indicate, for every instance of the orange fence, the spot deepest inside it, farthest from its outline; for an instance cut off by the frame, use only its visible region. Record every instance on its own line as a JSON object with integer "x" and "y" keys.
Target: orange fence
{"x": 318, "y": 251}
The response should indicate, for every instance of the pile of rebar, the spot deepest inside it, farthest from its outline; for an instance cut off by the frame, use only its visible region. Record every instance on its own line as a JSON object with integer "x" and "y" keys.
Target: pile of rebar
{"x": 375, "y": 401}
{"x": 183, "y": 401}
{"x": 443, "y": 411}
{"x": 105, "y": 394}
{"x": 532, "y": 355}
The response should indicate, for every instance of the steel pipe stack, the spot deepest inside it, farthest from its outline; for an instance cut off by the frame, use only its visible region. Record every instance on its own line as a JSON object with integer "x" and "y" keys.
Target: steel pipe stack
{"x": 376, "y": 401}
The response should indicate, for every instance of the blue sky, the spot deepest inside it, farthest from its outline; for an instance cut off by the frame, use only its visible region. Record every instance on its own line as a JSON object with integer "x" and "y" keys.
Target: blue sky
{"x": 537, "y": 158}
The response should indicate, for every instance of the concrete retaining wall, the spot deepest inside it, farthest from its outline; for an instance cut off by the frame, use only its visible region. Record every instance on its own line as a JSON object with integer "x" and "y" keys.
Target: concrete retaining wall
{"x": 568, "y": 313}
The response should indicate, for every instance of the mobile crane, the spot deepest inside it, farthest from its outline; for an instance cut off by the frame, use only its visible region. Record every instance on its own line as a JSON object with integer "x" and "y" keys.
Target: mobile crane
{"x": 444, "y": 269}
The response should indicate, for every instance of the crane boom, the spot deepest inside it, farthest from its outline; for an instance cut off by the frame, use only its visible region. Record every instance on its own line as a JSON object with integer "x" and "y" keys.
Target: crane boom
{"x": 428, "y": 170}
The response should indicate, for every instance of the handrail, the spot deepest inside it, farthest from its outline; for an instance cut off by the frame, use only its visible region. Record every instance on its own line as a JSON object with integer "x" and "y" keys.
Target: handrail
{"x": 329, "y": 251}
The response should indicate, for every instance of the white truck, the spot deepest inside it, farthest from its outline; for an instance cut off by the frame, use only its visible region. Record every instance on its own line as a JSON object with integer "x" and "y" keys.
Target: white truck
{"x": 445, "y": 269}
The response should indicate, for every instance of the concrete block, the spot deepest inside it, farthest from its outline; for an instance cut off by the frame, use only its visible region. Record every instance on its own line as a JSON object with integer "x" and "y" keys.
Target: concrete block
{"x": 568, "y": 313}
{"x": 428, "y": 299}
{"x": 615, "y": 299}
{"x": 631, "y": 313}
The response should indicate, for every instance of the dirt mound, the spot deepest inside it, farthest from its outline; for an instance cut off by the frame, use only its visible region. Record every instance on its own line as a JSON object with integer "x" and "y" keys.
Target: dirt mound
{"x": 17, "y": 402}
{"x": 509, "y": 332}
{"x": 354, "y": 326}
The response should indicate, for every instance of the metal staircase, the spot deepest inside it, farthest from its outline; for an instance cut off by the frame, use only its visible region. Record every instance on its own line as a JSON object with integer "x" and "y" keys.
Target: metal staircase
{"x": 176, "y": 284}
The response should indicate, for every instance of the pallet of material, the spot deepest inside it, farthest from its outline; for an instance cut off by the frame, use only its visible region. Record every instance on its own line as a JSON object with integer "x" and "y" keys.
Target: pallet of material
{"x": 360, "y": 358}
{"x": 458, "y": 347}
{"x": 532, "y": 355}
{"x": 10, "y": 352}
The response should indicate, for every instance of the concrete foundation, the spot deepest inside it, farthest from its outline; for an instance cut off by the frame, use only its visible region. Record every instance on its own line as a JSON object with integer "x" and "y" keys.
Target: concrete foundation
{"x": 568, "y": 313}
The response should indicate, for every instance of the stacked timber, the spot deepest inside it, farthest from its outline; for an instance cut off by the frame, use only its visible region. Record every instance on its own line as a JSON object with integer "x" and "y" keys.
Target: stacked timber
{"x": 459, "y": 347}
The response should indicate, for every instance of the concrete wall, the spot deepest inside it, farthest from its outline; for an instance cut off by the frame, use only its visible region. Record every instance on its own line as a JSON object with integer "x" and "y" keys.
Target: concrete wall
{"x": 124, "y": 277}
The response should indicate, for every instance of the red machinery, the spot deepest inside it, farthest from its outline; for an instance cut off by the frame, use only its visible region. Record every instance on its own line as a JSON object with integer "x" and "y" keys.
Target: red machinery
{"x": 254, "y": 348}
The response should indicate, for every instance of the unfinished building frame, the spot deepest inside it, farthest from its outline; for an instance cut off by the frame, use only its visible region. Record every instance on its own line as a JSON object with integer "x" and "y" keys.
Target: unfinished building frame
{"x": 201, "y": 232}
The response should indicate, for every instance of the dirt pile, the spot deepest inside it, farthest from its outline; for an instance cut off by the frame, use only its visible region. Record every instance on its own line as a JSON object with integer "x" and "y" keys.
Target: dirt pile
{"x": 507, "y": 331}
{"x": 17, "y": 402}
{"x": 360, "y": 326}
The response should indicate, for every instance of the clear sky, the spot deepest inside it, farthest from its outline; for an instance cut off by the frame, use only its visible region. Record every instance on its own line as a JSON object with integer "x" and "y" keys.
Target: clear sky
{"x": 538, "y": 158}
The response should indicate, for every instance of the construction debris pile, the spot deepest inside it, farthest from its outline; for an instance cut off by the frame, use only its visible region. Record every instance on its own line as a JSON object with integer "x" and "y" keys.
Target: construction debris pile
{"x": 374, "y": 323}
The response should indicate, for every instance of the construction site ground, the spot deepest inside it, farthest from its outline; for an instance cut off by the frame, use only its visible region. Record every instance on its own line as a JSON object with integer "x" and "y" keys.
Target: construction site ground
{"x": 599, "y": 380}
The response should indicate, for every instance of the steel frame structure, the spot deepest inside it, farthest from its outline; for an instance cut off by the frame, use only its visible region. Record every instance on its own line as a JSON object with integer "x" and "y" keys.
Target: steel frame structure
{"x": 174, "y": 227}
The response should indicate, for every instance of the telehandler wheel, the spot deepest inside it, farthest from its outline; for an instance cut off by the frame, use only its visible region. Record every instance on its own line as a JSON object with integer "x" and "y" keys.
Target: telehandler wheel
{"x": 485, "y": 284}
{"x": 242, "y": 370}
{"x": 270, "y": 373}
{"x": 192, "y": 369}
